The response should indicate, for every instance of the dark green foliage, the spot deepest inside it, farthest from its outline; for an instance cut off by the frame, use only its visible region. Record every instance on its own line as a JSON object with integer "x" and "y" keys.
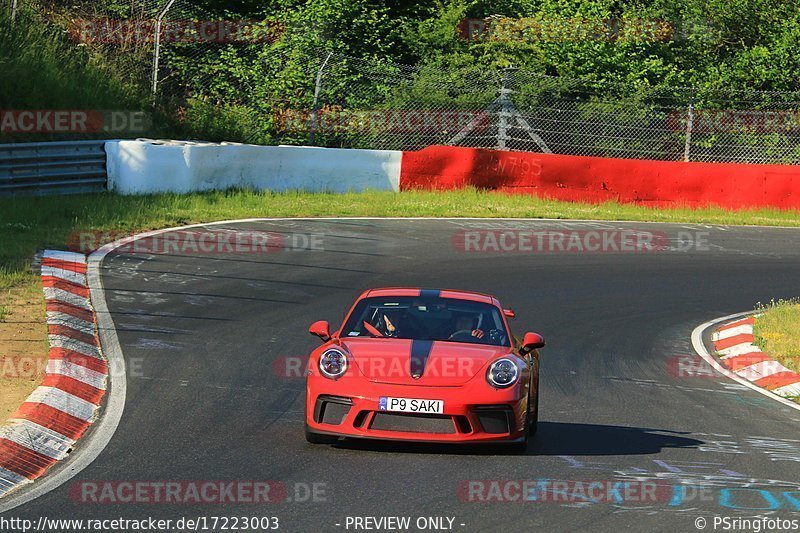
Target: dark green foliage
{"x": 234, "y": 90}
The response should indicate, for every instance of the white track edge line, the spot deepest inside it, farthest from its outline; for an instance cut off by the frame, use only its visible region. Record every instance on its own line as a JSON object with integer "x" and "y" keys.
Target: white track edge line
{"x": 699, "y": 347}
{"x": 92, "y": 445}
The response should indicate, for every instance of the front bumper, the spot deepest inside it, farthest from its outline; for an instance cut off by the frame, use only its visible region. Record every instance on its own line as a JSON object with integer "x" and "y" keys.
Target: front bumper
{"x": 473, "y": 412}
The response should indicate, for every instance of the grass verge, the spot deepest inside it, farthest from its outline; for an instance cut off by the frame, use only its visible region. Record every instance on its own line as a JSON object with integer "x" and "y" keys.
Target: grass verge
{"x": 23, "y": 336}
{"x": 29, "y": 224}
{"x": 777, "y": 332}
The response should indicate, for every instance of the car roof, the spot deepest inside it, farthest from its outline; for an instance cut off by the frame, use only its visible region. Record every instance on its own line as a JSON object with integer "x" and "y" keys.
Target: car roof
{"x": 444, "y": 293}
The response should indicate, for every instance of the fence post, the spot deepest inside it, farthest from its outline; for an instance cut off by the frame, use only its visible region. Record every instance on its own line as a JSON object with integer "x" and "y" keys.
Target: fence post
{"x": 689, "y": 127}
{"x": 504, "y": 113}
{"x": 315, "y": 105}
{"x": 157, "y": 46}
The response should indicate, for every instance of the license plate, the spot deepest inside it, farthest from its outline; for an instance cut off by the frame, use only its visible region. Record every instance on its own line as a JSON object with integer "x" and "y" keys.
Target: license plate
{"x": 411, "y": 405}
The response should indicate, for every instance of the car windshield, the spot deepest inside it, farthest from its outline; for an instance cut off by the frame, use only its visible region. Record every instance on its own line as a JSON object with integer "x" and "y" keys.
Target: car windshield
{"x": 431, "y": 318}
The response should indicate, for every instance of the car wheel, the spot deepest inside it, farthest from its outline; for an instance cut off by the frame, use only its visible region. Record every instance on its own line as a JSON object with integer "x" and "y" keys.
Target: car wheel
{"x": 319, "y": 438}
{"x": 533, "y": 416}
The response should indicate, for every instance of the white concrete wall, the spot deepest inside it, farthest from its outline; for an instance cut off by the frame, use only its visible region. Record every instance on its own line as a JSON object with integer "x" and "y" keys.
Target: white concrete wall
{"x": 144, "y": 166}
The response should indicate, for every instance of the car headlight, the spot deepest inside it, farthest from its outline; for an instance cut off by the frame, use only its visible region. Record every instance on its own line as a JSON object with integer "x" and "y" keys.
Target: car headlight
{"x": 333, "y": 363}
{"x": 502, "y": 373}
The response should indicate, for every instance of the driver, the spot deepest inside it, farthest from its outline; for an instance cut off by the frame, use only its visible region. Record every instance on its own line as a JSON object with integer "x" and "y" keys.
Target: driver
{"x": 467, "y": 323}
{"x": 389, "y": 323}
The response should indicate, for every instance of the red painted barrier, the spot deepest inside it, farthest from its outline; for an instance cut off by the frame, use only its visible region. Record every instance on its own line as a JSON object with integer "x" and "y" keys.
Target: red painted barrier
{"x": 597, "y": 179}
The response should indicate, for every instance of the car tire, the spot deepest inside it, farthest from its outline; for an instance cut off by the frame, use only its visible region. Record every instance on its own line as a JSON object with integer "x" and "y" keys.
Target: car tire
{"x": 533, "y": 417}
{"x": 319, "y": 438}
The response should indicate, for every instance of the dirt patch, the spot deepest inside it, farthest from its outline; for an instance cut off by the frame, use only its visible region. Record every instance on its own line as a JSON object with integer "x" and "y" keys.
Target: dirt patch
{"x": 23, "y": 345}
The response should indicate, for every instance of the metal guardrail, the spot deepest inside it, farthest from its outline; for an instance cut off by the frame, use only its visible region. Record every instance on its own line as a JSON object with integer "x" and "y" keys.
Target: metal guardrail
{"x": 68, "y": 167}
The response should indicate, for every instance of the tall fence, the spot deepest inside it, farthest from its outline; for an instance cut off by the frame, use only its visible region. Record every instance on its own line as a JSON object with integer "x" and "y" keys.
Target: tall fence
{"x": 189, "y": 60}
{"x": 396, "y": 107}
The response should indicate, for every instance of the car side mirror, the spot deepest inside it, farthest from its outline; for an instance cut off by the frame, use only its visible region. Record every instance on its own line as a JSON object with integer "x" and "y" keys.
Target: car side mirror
{"x": 509, "y": 313}
{"x": 321, "y": 329}
{"x": 530, "y": 342}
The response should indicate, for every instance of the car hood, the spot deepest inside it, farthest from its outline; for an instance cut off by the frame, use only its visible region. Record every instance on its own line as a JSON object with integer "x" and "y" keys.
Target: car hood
{"x": 424, "y": 363}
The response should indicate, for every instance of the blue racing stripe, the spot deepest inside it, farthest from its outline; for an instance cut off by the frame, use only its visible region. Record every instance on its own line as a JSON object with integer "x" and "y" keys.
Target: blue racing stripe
{"x": 429, "y": 293}
{"x": 420, "y": 351}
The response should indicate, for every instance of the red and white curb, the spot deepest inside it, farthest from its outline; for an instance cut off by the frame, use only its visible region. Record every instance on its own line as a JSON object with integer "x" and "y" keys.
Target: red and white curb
{"x": 734, "y": 344}
{"x": 47, "y": 425}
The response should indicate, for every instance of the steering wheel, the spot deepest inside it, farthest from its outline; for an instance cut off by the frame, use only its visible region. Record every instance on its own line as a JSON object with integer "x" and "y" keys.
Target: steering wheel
{"x": 461, "y": 332}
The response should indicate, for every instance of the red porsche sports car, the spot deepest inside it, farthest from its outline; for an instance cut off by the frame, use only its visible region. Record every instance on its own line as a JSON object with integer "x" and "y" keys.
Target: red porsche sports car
{"x": 423, "y": 365}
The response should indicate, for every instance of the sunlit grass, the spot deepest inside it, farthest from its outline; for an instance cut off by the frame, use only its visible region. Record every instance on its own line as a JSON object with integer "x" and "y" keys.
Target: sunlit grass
{"x": 777, "y": 332}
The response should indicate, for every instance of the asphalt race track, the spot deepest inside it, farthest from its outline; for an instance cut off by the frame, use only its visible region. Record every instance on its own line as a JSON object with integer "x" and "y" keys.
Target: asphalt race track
{"x": 205, "y": 337}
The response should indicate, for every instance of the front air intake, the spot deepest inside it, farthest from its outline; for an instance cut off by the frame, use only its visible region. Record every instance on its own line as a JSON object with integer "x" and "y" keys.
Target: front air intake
{"x": 332, "y": 409}
{"x": 496, "y": 420}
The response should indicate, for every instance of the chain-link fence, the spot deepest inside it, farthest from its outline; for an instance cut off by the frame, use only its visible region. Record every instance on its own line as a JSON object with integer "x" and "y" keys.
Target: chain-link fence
{"x": 409, "y": 108}
{"x": 212, "y": 69}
